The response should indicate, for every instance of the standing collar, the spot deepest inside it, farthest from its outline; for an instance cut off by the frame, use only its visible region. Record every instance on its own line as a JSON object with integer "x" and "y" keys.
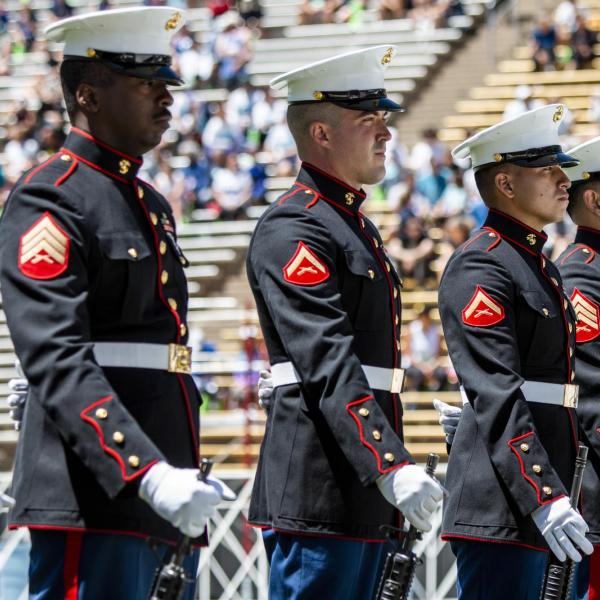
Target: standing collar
{"x": 588, "y": 236}
{"x": 508, "y": 227}
{"x": 331, "y": 189}
{"x": 100, "y": 156}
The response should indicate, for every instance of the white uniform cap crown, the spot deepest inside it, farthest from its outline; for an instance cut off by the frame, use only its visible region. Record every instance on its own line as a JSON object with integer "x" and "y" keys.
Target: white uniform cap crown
{"x": 139, "y": 30}
{"x": 357, "y": 70}
{"x": 534, "y": 129}
{"x": 588, "y": 154}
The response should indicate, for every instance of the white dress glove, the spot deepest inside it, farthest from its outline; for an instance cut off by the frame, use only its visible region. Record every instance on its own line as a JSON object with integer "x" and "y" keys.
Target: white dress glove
{"x": 19, "y": 386}
{"x": 265, "y": 389}
{"x": 449, "y": 416}
{"x": 563, "y": 528}
{"x": 6, "y": 502}
{"x": 413, "y": 492}
{"x": 179, "y": 497}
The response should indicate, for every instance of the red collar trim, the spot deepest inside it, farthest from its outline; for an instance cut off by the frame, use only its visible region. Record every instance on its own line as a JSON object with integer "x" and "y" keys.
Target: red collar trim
{"x": 515, "y": 220}
{"x": 359, "y": 193}
{"x": 104, "y": 145}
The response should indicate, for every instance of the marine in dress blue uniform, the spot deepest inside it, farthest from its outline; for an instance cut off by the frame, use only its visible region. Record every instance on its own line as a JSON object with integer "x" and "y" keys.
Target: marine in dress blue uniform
{"x": 579, "y": 266}
{"x": 94, "y": 291}
{"x": 328, "y": 299}
{"x": 510, "y": 330}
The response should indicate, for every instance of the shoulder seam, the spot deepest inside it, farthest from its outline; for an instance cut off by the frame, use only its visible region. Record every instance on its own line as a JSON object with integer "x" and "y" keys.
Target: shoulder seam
{"x": 37, "y": 169}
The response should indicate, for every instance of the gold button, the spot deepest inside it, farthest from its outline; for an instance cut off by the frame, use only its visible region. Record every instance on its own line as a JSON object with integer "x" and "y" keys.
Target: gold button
{"x": 376, "y": 242}
{"x": 101, "y": 413}
{"x": 164, "y": 277}
{"x": 307, "y": 192}
{"x": 545, "y": 311}
{"x": 492, "y": 234}
{"x": 388, "y": 267}
{"x": 140, "y": 192}
{"x": 397, "y": 320}
{"x": 570, "y": 351}
{"x": 389, "y": 457}
{"x": 570, "y": 327}
{"x": 182, "y": 260}
{"x": 371, "y": 273}
{"x": 376, "y": 435}
{"x": 525, "y": 447}
{"x": 65, "y": 157}
{"x": 398, "y": 345}
{"x": 172, "y": 303}
{"x": 585, "y": 250}
{"x": 537, "y": 469}
{"x": 362, "y": 223}
{"x": 162, "y": 247}
{"x": 572, "y": 375}
{"x": 395, "y": 292}
{"x": 547, "y": 490}
{"x": 132, "y": 252}
{"x": 363, "y": 412}
{"x": 134, "y": 461}
{"x": 118, "y": 437}
{"x": 565, "y": 304}
{"x": 154, "y": 218}
{"x": 554, "y": 281}
{"x": 90, "y": 52}
{"x": 182, "y": 329}
{"x": 543, "y": 263}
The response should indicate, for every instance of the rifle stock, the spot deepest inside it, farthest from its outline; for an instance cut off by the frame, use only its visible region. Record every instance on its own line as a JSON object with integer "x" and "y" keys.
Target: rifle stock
{"x": 399, "y": 569}
{"x": 559, "y": 577}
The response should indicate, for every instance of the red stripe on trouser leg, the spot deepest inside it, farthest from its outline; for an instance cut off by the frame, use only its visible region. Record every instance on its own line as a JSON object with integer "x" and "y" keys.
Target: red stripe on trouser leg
{"x": 594, "y": 584}
{"x": 71, "y": 568}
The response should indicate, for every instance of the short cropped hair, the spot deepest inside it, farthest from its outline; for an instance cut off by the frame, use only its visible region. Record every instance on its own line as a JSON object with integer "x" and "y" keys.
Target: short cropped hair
{"x": 75, "y": 72}
{"x": 485, "y": 179}
{"x": 300, "y": 117}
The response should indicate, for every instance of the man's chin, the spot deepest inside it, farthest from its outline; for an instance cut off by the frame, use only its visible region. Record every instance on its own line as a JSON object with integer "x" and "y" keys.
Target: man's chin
{"x": 375, "y": 175}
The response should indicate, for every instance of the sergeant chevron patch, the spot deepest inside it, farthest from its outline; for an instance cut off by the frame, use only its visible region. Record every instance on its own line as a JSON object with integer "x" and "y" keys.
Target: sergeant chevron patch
{"x": 482, "y": 311}
{"x": 588, "y": 317}
{"x": 304, "y": 268}
{"x": 44, "y": 249}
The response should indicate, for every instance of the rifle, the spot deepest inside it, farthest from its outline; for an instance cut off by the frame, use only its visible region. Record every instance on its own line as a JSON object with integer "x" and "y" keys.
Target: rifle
{"x": 559, "y": 577}
{"x": 399, "y": 569}
{"x": 171, "y": 578}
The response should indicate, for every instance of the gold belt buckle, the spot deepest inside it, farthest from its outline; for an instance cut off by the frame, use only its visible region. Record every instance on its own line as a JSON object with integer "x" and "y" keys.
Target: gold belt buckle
{"x": 397, "y": 381}
{"x": 570, "y": 395}
{"x": 180, "y": 359}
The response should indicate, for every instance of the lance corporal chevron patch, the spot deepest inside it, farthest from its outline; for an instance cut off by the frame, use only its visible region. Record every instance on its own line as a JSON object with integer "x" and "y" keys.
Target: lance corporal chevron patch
{"x": 482, "y": 310}
{"x": 588, "y": 317}
{"x": 305, "y": 268}
{"x": 44, "y": 249}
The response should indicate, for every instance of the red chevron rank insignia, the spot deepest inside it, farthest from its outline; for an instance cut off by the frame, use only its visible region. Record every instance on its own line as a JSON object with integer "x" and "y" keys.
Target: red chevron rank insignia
{"x": 44, "y": 249}
{"x": 304, "y": 268}
{"x": 482, "y": 310}
{"x": 588, "y": 317}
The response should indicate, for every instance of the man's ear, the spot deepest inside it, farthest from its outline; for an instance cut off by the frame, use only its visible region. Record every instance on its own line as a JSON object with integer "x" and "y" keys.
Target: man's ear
{"x": 320, "y": 133}
{"x": 504, "y": 184}
{"x": 591, "y": 199}
{"x": 87, "y": 98}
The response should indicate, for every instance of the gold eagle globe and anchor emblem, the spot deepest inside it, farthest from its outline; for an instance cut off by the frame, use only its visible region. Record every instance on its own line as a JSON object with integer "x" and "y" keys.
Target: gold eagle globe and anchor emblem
{"x": 173, "y": 21}
{"x": 532, "y": 239}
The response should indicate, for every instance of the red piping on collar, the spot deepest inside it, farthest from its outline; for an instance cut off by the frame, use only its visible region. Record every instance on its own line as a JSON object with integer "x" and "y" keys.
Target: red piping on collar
{"x": 329, "y": 200}
{"x": 360, "y": 193}
{"x": 104, "y": 145}
{"x": 515, "y": 220}
{"x": 95, "y": 166}
{"x": 66, "y": 175}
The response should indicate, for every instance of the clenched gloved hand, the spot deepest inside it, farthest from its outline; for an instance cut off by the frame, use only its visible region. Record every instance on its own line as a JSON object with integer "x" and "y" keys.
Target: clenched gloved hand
{"x": 19, "y": 386}
{"x": 413, "y": 492}
{"x": 265, "y": 389}
{"x": 449, "y": 417}
{"x": 179, "y": 497}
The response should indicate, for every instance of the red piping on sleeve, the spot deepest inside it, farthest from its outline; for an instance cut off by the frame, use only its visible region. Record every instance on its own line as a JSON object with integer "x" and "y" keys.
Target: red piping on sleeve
{"x": 522, "y": 464}
{"x": 364, "y": 441}
{"x": 108, "y": 449}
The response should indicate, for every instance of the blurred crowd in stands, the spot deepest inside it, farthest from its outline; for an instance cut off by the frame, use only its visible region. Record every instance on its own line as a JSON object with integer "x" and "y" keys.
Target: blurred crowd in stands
{"x": 563, "y": 40}
{"x": 228, "y": 138}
